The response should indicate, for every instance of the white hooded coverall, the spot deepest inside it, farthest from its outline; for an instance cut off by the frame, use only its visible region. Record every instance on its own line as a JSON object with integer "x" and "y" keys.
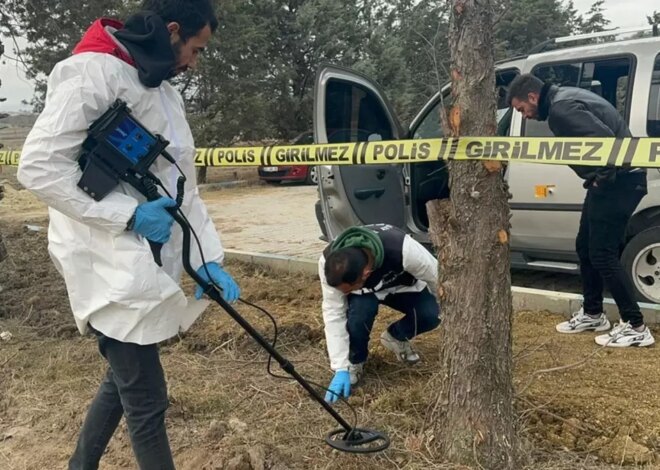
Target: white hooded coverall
{"x": 112, "y": 280}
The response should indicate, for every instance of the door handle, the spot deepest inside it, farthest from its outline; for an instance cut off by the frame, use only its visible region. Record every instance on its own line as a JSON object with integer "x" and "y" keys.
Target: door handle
{"x": 363, "y": 194}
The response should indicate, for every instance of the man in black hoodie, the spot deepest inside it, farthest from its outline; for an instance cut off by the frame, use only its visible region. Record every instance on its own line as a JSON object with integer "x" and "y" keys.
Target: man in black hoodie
{"x": 115, "y": 288}
{"x": 612, "y": 196}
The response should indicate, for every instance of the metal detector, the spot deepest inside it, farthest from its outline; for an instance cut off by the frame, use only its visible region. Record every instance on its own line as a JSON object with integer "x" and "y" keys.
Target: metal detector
{"x": 118, "y": 148}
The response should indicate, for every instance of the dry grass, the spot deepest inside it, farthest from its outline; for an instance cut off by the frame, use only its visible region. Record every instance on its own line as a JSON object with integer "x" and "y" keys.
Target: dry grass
{"x": 227, "y": 412}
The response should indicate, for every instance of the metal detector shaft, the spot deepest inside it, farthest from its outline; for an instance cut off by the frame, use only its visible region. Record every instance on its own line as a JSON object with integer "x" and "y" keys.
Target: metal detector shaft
{"x": 215, "y": 294}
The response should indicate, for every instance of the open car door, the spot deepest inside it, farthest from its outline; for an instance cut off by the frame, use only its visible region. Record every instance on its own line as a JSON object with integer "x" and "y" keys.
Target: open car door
{"x": 348, "y": 107}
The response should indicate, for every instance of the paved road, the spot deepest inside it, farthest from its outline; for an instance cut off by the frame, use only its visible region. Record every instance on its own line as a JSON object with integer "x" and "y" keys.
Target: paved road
{"x": 267, "y": 219}
{"x": 281, "y": 220}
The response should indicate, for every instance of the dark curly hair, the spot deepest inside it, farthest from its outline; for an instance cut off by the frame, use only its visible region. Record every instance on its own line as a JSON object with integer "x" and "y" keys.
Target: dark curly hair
{"x": 191, "y": 15}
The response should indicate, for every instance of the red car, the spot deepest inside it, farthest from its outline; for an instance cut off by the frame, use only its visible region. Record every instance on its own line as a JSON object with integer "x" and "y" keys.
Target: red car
{"x": 296, "y": 173}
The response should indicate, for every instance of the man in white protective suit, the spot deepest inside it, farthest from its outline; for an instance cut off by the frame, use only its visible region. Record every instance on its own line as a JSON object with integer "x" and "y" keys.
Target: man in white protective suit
{"x": 115, "y": 288}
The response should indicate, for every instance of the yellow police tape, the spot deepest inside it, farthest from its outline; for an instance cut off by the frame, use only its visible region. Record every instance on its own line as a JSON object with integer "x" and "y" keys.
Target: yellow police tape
{"x": 636, "y": 152}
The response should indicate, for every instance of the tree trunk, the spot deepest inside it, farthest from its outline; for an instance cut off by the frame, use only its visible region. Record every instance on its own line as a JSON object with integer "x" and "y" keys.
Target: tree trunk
{"x": 473, "y": 415}
{"x": 201, "y": 175}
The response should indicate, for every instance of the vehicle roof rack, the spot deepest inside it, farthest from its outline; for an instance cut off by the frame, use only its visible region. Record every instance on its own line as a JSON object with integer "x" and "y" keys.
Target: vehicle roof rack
{"x": 544, "y": 46}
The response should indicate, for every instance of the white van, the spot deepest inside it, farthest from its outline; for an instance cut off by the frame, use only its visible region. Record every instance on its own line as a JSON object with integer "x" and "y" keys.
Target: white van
{"x": 547, "y": 199}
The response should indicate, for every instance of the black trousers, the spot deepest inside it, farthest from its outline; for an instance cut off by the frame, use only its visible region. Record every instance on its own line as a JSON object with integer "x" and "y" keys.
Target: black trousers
{"x": 134, "y": 386}
{"x": 599, "y": 242}
{"x": 421, "y": 313}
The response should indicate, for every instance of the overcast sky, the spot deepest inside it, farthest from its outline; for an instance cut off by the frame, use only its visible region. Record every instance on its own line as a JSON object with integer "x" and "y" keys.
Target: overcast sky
{"x": 15, "y": 87}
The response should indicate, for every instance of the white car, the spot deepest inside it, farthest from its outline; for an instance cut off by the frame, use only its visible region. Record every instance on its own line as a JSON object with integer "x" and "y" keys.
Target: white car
{"x": 547, "y": 199}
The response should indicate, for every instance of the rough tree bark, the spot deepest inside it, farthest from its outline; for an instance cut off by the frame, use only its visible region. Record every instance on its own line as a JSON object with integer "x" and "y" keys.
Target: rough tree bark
{"x": 473, "y": 415}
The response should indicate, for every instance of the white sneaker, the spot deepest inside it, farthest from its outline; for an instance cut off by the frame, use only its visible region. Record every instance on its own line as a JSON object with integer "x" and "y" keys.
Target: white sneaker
{"x": 356, "y": 371}
{"x": 580, "y": 322}
{"x": 623, "y": 335}
{"x": 403, "y": 350}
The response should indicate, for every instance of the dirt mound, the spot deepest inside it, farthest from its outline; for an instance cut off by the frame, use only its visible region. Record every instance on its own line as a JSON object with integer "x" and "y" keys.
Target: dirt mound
{"x": 221, "y": 457}
{"x": 299, "y": 333}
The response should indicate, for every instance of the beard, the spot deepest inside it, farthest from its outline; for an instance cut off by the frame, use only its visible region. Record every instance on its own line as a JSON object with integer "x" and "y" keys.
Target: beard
{"x": 176, "y": 47}
{"x": 535, "y": 112}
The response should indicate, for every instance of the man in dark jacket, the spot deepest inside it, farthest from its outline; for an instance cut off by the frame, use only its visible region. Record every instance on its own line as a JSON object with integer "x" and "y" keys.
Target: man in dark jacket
{"x": 612, "y": 196}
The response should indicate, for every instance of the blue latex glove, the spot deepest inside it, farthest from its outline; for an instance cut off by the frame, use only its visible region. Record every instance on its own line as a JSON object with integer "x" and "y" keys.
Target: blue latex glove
{"x": 340, "y": 385}
{"x": 230, "y": 290}
{"x": 152, "y": 221}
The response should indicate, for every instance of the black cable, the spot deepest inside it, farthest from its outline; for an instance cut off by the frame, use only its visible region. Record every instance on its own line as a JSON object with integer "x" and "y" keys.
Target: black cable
{"x": 284, "y": 377}
{"x": 264, "y": 311}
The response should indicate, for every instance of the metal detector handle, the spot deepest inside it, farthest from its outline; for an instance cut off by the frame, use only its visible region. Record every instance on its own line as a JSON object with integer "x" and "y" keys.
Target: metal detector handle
{"x": 156, "y": 247}
{"x": 155, "y": 251}
{"x": 152, "y": 194}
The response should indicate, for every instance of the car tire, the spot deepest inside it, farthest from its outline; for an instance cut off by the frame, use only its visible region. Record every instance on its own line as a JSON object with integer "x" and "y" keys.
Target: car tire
{"x": 312, "y": 176}
{"x": 641, "y": 260}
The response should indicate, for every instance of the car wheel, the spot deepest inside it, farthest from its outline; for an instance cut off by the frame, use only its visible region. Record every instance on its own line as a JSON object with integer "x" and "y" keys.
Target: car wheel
{"x": 641, "y": 260}
{"x": 312, "y": 176}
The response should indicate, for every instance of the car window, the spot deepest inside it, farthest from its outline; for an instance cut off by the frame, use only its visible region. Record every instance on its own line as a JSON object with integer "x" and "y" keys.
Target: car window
{"x": 353, "y": 114}
{"x": 609, "y": 78}
{"x": 431, "y": 126}
{"x": 653, "y": 117}
{"x": 304, "y": 139}
{"x": 503, "y": 79}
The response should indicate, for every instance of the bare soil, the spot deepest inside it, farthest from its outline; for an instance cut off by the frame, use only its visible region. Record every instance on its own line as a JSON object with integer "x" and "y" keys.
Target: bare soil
{"x": 227, "y": 413}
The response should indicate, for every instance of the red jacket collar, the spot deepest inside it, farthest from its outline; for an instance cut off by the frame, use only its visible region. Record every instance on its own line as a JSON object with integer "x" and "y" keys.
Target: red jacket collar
{"x": 97, "y": 39}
